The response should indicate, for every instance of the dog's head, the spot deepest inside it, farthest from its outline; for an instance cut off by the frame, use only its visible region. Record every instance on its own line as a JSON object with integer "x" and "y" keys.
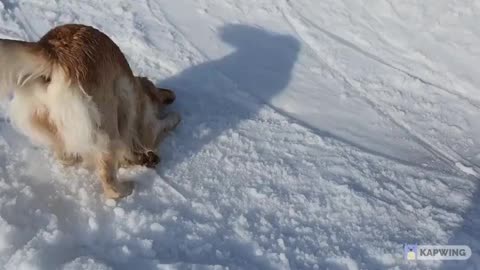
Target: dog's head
{"x": 152, "y": 118}
{"x": 159, "y": 97}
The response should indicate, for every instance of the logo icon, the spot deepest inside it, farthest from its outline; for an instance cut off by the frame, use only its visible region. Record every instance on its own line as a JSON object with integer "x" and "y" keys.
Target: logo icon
{"x": 410, "y": 252}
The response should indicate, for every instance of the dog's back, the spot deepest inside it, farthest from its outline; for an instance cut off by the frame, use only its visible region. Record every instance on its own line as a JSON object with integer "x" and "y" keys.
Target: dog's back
{"x": 87, "y": 55}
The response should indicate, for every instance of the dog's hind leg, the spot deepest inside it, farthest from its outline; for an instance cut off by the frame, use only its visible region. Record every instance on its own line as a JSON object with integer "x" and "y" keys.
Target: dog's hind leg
{"x": 107, "y": 171}
{"x": 108, "y": 159}
{"x": 42, "y": 123}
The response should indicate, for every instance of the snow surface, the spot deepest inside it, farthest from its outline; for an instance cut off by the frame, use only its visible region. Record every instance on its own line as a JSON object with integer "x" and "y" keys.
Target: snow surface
{"x": 316, "y": 135}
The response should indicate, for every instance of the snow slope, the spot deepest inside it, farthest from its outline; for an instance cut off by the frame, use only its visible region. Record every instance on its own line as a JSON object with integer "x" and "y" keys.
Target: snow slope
{"x": 316, "y": 135}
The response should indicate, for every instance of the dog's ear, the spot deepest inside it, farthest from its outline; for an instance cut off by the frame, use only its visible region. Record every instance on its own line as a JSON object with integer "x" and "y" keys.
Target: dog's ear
{"x": 165, "y": 96}
{"x": 162, "y": 96}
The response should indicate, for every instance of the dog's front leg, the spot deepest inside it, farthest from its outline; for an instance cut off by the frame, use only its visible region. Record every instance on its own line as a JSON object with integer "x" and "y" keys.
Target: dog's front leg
{"x": 144, "y": 158}
{"x": 107, "y": 171}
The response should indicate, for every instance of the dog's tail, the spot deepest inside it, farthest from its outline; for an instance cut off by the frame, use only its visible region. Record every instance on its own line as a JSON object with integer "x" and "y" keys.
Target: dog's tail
{"x": 20, "y": 63}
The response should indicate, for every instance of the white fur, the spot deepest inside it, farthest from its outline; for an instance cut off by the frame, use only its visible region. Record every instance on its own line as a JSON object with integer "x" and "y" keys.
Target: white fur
{"x": 18, "y": 66}
{"x": 26, "y": 101}
{"x": 74, "y": 114}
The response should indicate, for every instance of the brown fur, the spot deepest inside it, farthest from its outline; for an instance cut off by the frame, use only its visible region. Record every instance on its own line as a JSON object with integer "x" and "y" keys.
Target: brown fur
{"x": 82, "y": 51}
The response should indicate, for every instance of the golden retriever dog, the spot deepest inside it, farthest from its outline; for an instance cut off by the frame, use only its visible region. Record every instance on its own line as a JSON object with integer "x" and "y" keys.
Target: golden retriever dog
{"x": 74, "y": 92}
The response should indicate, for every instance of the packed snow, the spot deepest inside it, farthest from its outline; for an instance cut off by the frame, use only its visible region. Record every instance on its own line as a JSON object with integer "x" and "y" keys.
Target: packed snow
{"x": 315, "y": 135}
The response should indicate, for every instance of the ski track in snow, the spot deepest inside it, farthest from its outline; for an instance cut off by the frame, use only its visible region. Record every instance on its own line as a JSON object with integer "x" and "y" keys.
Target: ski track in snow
{"x": 315, "y": 135}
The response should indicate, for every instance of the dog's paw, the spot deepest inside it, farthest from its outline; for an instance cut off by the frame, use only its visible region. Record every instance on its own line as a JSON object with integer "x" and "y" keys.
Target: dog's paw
{"x": 68, "y": 159}
{"x": 149, "y": 159}
{"x": 120, "y": 190}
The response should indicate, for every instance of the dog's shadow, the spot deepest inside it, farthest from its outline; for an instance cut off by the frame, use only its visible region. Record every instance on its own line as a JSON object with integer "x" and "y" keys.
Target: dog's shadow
{"x": 213, "y": 99}
{"x": 217, "y": 95}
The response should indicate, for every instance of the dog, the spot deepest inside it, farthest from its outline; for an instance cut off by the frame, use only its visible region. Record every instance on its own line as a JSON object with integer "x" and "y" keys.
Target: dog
{"x": 75, "y": 93}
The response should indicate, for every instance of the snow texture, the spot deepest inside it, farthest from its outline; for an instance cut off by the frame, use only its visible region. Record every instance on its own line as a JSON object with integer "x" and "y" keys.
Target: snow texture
{"x": 316, "y": 135}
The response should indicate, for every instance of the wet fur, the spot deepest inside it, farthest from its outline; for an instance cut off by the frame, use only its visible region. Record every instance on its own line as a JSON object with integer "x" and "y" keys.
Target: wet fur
{"x": 75, "y": 92}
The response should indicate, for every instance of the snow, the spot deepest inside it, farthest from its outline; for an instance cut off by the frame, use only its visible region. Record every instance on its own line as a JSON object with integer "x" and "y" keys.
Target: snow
{"x": 315, "y": 135}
